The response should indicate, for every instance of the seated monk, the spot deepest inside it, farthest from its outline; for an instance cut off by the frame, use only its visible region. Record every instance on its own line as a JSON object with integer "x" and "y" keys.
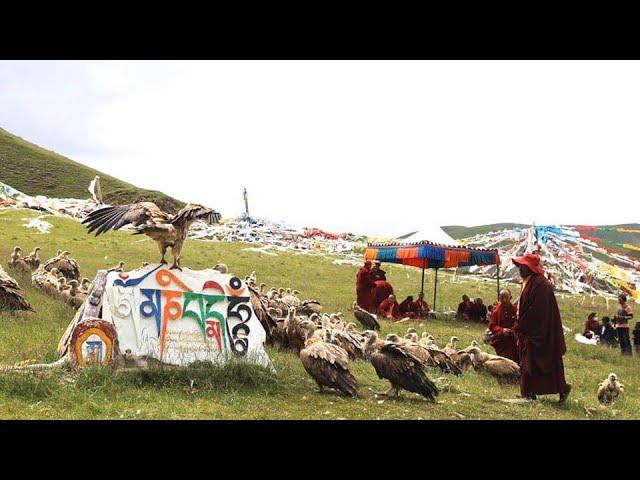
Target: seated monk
{"x": 479, "y": 311}
{"x": 389, "y": 308}
{"x": 503, "y": 318}
{"x": 465, "y": 309}
{"x": 407, "y": 308}
{"x": 421, "y": 306}
{"x": 591, "y": 326}
{"x": 381, "y": 291}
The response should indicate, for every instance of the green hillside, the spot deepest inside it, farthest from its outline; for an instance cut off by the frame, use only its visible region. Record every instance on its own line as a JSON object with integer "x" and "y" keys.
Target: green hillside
{"x": 36, "y": 171}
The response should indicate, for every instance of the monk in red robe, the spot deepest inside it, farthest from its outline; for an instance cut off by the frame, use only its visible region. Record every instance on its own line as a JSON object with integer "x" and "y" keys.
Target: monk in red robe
{"x": 539, "y": 334}
{"x": 377, "y": 273}
{"x": 465, "y": 309}
{"x": 365, "y": 288}
{"x": 382, "y": 290}
{"x": 503, "y": 317}
{"x": 389, "y": 308}
{"x": 421, "y": 306}
{"x": 407, "y": 308}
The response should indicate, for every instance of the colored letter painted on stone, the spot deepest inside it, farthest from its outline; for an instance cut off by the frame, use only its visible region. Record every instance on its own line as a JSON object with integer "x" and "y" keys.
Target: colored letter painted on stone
{"x": 179, "y": 317}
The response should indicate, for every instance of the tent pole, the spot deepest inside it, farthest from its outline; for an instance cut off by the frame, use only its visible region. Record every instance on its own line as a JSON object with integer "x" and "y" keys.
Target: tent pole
{"x": 435, "y": 292}
{"x": 422, "y": 285}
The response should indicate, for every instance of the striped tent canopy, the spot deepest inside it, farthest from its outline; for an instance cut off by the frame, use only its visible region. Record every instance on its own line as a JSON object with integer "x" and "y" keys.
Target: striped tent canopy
{"x": 431, "y": 255}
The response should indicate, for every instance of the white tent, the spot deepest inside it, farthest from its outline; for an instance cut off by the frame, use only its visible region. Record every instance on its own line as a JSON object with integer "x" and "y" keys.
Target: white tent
{"x": 431, "y": 233}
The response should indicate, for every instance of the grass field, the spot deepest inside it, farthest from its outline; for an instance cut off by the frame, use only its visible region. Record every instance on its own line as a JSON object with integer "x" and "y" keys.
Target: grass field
{"x": 248, "y": 392}
{"x": 37, "y": 171}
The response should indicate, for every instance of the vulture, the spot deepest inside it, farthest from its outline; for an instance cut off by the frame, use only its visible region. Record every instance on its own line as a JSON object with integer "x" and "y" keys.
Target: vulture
{"x": 297, "y": 331}
{"x": 328, "y": 365}
{"x": 260, "y": 308}
{"x": 349, "y": 342}
{"x": 66, "y": 265}
{"x": 165, "y": 229}
{"x": 33, "y": 259}
{"x": 610, "y": 389}
{"x": 17, "y": 262}
{"x": 10, "y": 294}
{"x": 504, "y": 370}
{"x": 46, "y": 281}
{"x": 395, "y": 362}
{"x": 367, "y": 320}
{"x": 74, "y": 296}
{"x": 431, "y": 356}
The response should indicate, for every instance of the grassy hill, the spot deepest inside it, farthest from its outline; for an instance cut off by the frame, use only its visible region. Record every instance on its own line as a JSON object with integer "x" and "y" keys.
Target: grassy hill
{"x": 36, "y": 171}
{"x": 458, "y": 231}
{"x": 244, "y": 392}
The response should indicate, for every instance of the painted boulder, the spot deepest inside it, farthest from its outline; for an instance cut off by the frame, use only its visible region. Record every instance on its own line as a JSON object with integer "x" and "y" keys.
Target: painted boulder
{"x": 176, "y": 317}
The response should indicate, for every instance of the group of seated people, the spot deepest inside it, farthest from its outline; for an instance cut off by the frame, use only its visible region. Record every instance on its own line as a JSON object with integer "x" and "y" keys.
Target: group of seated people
{"x": 473, "y": 311}
{"x": 408, "y": 308}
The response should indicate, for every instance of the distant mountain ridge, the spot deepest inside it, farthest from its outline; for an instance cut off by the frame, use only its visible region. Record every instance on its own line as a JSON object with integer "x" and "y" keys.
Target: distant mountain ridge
{"x": 37, "y": 171}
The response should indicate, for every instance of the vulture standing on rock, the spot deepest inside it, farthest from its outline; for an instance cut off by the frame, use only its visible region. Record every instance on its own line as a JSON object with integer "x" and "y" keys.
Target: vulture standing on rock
{"x": 10, "y": 294}
{"x": 66, "y": 265}
{"x": 328, "y": 365}
{"x": 165, "y": 229}
{"x": 404, "y": 370}
{"x": 367, "y": 320}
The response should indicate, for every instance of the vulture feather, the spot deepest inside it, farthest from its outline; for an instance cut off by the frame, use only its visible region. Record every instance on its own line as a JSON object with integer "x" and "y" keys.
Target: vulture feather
{"x": 366, "y": 319}
{"x": 328, "y": 365}
{"x": 10, "y": 294}
{"x": 395, "y": 362}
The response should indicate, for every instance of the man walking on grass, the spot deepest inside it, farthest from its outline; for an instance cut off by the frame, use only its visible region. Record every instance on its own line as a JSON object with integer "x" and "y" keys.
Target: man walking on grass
{"x": 539, "y": 334}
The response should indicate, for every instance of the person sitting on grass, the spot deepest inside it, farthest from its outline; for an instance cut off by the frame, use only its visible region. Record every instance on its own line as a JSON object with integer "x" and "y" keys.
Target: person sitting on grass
{"x": 591, "y": 326}
{"x": 479, "y": 311}
{"x": 389, "y": 308}
{"x": 407, "y": 308}
{"x": 421, "y": 306}
{"x": 608, "y": 334}
{"x": 465, "y": 309}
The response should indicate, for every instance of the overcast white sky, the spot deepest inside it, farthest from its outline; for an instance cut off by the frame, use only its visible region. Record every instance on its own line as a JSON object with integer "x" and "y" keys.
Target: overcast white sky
{"x": 368, "y": 147}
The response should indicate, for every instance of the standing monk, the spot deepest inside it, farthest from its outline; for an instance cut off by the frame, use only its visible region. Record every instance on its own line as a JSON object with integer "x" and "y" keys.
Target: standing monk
{"x": 503, "y": 317}
{"x": 539, "y": 333}
{"x": 377, "y": 273}
{"x": 365, "y": 288}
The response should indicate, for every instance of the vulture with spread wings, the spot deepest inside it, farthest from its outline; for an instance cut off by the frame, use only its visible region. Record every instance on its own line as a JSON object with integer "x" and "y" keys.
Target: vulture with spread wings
{"x": 166, "y": 229}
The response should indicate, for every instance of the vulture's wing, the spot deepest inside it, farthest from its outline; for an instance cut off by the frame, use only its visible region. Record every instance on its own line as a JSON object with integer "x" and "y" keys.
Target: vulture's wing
{"x": 260, "y": 308}
{"x": 367, "y": 320}
{"x": 328, "y": 365}
{"x": 10, "y": 294}
{"x": 398, "y": 365}
{"x": 502, "y": 367}
{"x": 118, "y": 216}
{"x": 195, "y": 212}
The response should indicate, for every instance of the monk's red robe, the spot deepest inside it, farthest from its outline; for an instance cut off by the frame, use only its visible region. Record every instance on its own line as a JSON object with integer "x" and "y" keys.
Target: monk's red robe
{"x": 422, "y": 306}
{"x": 364, "y": 290}
{"x": 465, "y": 311}
{"x": 504, "y": 343}
{"x": 540, "y": 337}
{"x": 382, "y": 290}
{"x": 591, "y": 326}
{"x": 389, "y": 309}
{"x": 407, "y": 309}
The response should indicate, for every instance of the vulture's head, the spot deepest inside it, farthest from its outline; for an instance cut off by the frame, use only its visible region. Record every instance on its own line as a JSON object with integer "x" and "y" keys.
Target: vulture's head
{"x": 37, "y": 249}
{"x": 16, "y": 249}
{"x": 411, "y": 330}
{"x": 613, "y": 377}
{"x": 392, "y": 338}
{"x": 307, "y": 327}
{"x": 221, "y": 267}
{"x": 453, "y": 341}
{"x": 351, "y": 327}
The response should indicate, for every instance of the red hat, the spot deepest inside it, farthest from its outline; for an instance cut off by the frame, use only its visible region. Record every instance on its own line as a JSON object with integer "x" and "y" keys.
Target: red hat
{"x": 530, "y": 260}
